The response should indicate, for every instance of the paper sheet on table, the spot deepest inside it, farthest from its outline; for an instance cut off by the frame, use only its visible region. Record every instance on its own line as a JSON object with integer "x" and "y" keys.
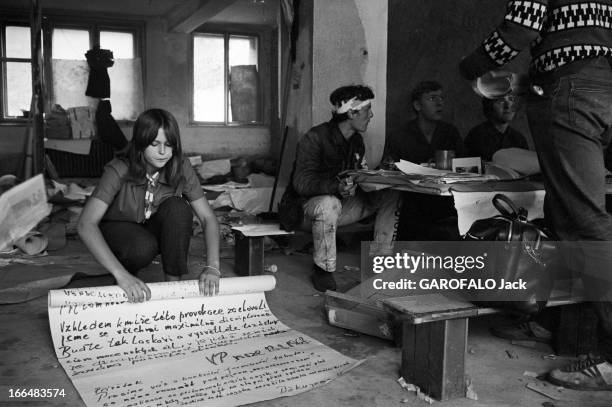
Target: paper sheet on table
{"x": 472, "y": 206}
{"x": 410, "y": 168}
{"x": 21, "y": 208}
{"x": 181, "y": 348}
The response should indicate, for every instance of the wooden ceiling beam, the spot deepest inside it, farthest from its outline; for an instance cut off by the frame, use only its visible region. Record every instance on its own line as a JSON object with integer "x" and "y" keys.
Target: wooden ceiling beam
{"x": 190, "y": 15}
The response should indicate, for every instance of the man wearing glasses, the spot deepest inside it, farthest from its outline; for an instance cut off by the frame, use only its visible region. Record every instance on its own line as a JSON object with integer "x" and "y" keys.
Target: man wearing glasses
{"x": 495, "y": 133}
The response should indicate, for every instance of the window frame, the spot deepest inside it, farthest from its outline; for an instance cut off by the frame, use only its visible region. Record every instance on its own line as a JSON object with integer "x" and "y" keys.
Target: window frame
{"x": 93, "y": 26}
{"x": 52, "y": 19}
{"x": 4, "y": 22}
{"x": 227, "y": 31}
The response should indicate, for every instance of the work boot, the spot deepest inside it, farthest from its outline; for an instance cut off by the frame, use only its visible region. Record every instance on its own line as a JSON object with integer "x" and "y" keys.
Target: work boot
{"x": 322, "y": 280}
{"x": 588, "y": 374}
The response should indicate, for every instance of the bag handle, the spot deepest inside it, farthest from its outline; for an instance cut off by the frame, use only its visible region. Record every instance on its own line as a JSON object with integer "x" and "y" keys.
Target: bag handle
{"x": 507, "y": 208}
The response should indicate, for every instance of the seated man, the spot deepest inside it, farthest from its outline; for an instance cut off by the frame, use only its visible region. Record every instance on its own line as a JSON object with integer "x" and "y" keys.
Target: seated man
{"x": 427, "y": 133}
{"x": 426, "y": 217}
{"x": 328, "y": 200}
{"x": 495, "y": 133}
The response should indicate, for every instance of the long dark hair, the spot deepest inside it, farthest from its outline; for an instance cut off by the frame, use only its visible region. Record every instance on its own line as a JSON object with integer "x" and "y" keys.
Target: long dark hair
{"x": 145, "y": 131}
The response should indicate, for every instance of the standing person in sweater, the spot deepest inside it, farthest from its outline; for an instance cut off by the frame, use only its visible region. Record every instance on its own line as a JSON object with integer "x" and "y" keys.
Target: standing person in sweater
{"x": 570, "y": 119}
{"x": 329, "y": 199}
{"x": 495, "y": 133}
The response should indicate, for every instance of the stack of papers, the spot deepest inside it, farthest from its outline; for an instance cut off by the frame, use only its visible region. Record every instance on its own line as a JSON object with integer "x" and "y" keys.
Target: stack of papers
{"x": 432, "y": 175}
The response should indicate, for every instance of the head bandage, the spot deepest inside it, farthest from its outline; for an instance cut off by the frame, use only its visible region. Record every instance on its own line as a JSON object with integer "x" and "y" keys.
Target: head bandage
{"x": 351, "y": 104}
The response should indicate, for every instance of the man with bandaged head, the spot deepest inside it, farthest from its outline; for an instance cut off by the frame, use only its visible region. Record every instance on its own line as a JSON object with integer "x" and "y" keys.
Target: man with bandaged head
{"x": 327, "y": 198}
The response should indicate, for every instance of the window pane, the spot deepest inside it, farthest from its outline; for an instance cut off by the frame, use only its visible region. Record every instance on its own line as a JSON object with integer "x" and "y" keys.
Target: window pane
{"x": 242, "y": 50}
{"x": 208, "y": 78}
{"x": 18, "y": 42}
{"x": 121, "y": 43}
{"x": 243, "y": 92}
{"x": 18, "y": 87}
{"x": 69, "y": 43}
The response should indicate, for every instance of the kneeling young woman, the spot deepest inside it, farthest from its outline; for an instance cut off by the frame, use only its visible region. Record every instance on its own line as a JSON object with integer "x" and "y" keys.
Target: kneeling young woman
{"x": 144, "y": 204}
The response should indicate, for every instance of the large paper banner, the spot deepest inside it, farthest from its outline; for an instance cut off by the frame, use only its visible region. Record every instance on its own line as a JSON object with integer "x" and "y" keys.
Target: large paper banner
{"x": 184, "y": 349}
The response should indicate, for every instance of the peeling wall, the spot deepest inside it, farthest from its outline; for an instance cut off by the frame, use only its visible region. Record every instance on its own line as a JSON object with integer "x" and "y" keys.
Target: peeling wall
{"x": 350, "y": 47}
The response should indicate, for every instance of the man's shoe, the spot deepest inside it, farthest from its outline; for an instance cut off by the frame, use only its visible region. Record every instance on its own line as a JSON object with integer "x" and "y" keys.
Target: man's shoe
{"x": 323, "y": 280}
{"x": 525, "y": 331}
{"x": 588, "y": 374}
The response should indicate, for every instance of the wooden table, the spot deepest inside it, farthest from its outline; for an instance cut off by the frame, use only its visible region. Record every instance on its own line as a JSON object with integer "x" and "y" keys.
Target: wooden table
{"x": 472, "y": 199}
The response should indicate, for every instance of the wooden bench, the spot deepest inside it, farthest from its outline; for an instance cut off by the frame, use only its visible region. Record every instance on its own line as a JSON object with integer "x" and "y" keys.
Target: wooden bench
{"x": 249, "y": 243}
{"x": 432, "y": 331}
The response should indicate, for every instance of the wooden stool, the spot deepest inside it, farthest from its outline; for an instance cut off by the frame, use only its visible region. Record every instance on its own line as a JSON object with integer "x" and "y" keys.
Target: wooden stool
{"x": 249, "y": 246}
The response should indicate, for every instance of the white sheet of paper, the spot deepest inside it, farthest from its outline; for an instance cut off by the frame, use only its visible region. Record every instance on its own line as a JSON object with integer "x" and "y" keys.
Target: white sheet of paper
{"x": 472, "y": 206}
{"x": 21, "y": 208}
{"x": 411, "y": 168}
{"x": 261, "y": 229}
{"x": 185, "y": 349}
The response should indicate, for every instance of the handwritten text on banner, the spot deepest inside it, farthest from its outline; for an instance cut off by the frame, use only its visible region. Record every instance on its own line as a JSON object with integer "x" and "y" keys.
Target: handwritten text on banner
{"x": 187, "y": 350}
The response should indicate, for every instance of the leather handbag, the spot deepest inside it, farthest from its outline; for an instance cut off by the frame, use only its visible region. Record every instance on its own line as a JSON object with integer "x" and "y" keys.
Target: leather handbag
{"x": 526, "y": 255}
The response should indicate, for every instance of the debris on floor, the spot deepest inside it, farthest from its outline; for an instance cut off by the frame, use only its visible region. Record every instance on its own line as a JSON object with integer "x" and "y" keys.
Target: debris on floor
{"x": 470, "y": 393}
{"x": 512, "y": 354}
{"x": 424, "y": 397}
{"x": 384, "y": 329}
{"x": 406, "y": 386}
{"x": 272, "y": 268}
{"x": 545, "y": 389}
{"x": 411, "y": 387}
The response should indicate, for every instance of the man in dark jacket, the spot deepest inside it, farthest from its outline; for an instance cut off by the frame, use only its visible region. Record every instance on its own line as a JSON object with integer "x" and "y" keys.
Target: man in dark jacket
{"x": 427, "y": 132}
{"x": 331, "y": 200}
{"x": 570, "y": 119}
{"x": 496, "y": 133}
{"x": 426, "y": 217}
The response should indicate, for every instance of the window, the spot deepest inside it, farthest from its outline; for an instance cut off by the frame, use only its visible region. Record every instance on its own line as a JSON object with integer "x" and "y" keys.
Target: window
{"x": 226, "y": 82}
{"x": 65, "y": 43}
{"x": 15, "y": 71}
{"x": 70, "y": 70}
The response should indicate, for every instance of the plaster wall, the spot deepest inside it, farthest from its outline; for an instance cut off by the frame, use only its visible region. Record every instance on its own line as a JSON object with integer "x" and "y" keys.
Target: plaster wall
{"x": 350, "y": 47}
{"x": 167, "y": 86}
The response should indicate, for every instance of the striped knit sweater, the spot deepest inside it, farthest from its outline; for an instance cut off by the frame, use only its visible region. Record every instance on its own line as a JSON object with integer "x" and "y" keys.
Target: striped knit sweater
{"x": 560, "y": 33}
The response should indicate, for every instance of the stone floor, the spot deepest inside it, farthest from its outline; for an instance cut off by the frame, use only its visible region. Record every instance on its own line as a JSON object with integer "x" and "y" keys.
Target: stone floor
{"x": 27, "y": 358}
